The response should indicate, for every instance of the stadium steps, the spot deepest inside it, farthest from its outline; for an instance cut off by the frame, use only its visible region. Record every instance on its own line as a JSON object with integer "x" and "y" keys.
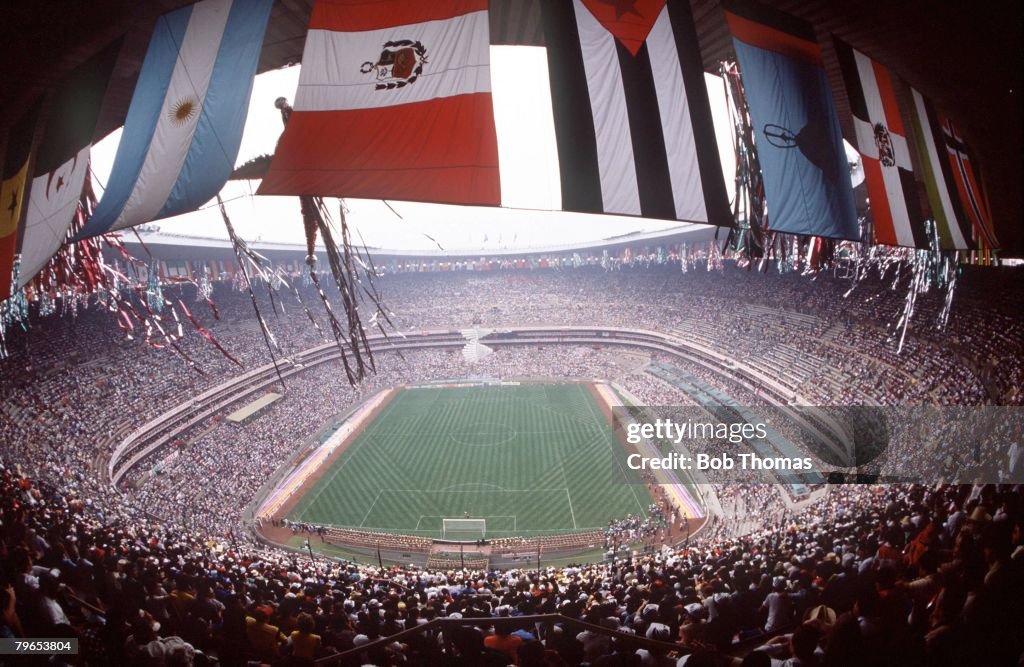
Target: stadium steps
{"x": 791, "y": 317}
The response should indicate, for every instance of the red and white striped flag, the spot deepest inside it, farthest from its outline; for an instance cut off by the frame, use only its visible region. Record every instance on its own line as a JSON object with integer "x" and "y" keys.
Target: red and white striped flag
{"x": 394, "y": 102}
{"x": 956, "y": 195}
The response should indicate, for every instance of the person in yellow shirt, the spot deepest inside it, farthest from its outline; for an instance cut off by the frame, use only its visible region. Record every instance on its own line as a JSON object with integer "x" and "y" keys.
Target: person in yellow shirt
{"x": 303, "y": 643}
{"x": 182, "y": 597}
{"x": 264, "y": 639}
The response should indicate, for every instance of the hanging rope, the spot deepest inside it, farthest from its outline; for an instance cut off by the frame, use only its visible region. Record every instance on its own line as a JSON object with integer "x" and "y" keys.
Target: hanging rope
{"x": 244, "y": 254}
{"x": 353, "y": 276}
{"x": 749, "y": 238}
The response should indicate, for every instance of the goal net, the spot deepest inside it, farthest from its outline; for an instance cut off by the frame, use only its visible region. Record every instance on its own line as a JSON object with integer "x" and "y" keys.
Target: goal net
{"x": 463, "y": 530}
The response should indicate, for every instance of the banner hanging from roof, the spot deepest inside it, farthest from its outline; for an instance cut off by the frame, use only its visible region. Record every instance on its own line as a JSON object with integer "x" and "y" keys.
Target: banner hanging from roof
{"x": 62, "y": 160}
{"x": 799, "y": 141}
{"x": 185, "y": 121}
{"x": 632, "y": 119}
{"x": 957, "y": 201}
{"x": 884, "y": 148}
{"x": 394, "y": 102}
{"x": 12, "y": 192}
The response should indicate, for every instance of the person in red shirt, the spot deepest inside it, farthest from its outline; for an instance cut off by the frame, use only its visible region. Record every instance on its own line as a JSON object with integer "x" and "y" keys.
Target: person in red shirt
{"x": 507, "y": 643}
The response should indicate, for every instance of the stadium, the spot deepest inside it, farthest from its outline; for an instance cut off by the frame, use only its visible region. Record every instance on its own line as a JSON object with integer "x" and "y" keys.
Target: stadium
{"x": 279, "y": 409}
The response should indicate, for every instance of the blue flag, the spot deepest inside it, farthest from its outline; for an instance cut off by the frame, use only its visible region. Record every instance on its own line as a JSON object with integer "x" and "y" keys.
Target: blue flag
{"x": 799, "y": 141}
{"x": 185, "y": 121}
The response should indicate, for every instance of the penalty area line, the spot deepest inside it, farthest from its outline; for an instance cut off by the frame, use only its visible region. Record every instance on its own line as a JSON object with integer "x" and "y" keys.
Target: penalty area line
{"x": 370, "y": 509}
{"x": 568, "y": 496}
{"x": 571, "y": 511}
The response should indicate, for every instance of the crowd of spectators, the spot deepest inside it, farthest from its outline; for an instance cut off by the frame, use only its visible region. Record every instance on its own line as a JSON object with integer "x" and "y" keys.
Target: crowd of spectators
{"x": 638, "y": 528}
{"x": 162, "y": 574}
{"x": 866, "y": 575}
{"x": 750, "y": 508}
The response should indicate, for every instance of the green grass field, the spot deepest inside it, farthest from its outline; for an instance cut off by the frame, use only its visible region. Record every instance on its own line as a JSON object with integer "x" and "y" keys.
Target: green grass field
{"x": 531, "y": 459}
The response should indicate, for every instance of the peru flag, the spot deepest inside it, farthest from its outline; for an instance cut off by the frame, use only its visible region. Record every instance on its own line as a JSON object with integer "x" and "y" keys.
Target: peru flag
{"x": 394, "y": 102}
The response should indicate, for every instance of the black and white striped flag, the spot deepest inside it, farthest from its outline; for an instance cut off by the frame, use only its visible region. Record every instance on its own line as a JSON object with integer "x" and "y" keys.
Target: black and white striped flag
{"x": 632, "y": 120}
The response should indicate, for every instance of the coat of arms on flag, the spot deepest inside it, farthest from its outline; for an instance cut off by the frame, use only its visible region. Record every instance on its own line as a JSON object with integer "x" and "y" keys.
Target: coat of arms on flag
{"x": 400, "y": 63}
{"x": 885, "y": 152}
{"x": 394, "y": 102}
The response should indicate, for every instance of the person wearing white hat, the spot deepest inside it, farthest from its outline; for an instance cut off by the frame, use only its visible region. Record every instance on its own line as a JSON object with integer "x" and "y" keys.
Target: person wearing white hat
{"x": 780, "y": 609}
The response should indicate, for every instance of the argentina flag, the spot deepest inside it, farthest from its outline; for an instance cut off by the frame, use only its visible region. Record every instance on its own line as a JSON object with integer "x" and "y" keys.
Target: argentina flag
{"x": 185, "y": 121}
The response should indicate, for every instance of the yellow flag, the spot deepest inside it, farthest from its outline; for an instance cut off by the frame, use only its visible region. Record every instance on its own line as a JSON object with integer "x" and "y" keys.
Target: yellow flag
{"x": 12, "y": 191}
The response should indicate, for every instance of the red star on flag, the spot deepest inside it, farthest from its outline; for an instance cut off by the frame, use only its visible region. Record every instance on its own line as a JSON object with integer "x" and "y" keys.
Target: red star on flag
{"x": 629, "y": 20}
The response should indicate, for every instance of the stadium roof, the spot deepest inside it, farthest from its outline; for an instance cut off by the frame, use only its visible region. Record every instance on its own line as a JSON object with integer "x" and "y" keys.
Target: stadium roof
{"x": 169, "y": 246}
{"x": 965, "y": 56}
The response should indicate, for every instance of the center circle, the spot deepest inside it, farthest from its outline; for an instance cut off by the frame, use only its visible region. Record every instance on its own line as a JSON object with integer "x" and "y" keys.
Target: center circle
{"x": 485, "y": 434}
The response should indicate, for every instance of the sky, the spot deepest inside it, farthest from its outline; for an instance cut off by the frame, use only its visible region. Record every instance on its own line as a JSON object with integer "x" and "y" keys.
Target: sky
{"x": 528, "y": 166}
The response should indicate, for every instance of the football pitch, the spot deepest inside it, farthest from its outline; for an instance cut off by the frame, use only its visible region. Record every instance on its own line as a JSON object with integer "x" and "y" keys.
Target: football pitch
{"x": 532, "y": 459}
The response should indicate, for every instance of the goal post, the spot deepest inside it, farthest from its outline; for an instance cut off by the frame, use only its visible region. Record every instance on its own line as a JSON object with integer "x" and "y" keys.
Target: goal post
{"x": 463, "y": 530}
